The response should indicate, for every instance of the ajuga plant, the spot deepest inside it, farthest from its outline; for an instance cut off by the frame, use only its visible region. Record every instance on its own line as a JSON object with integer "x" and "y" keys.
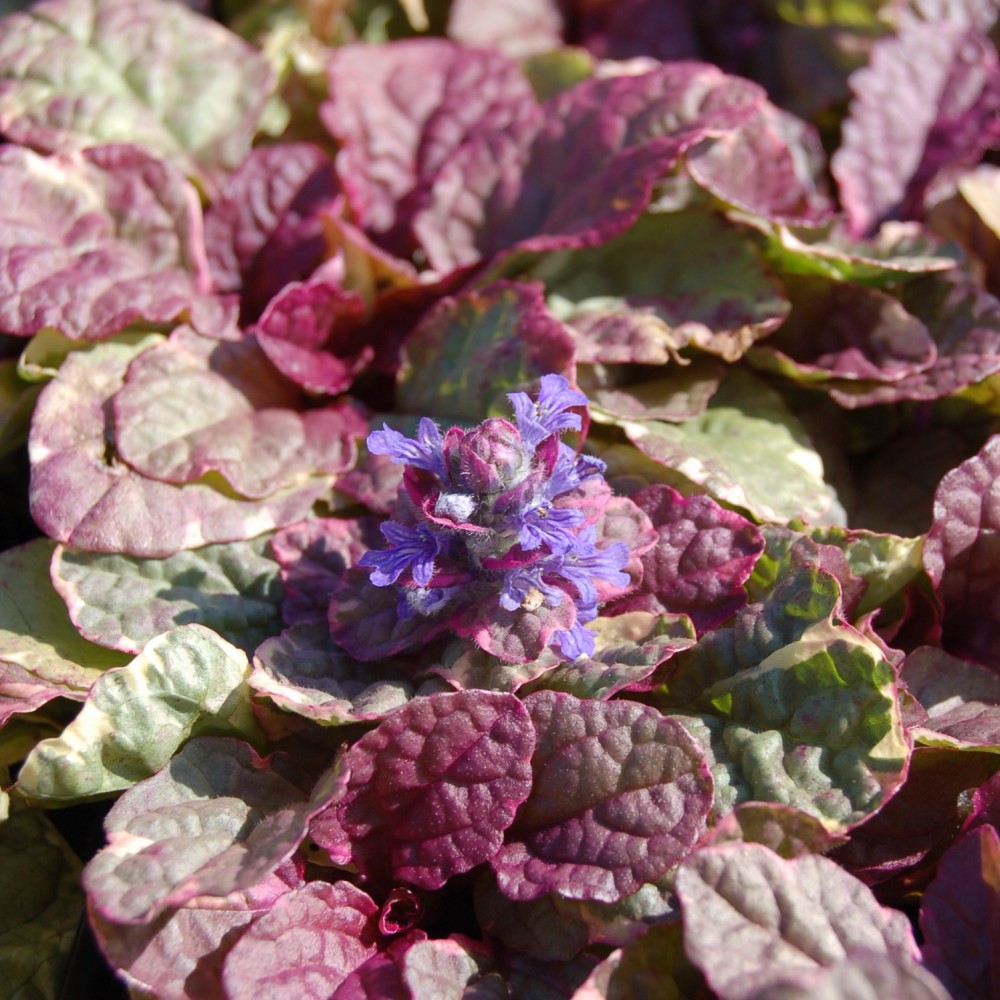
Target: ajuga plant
{"x": 496, "y": 529}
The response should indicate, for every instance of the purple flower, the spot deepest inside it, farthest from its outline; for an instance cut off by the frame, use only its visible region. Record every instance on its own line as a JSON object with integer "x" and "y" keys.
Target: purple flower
{"x": 494, "y": 530}
{"x": 411, "y": 548}
{"x": 426, "y": 452}
{"x": 547, "y": 415}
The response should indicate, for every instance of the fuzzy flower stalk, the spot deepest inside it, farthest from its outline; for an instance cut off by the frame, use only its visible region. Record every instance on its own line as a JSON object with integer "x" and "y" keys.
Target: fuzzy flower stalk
{"x": 498, "y": 536}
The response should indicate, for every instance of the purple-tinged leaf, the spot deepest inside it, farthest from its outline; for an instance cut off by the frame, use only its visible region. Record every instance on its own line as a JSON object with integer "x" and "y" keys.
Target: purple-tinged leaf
{"x": 265, "y": 229}
{"x": 83, "y": 495}
{"x": 381, "y": 975}
{"x": 515, "y": 636}
{"x": 42, "y": 905}
{"x": 960, "y": 917}
{"x": 985, "y": 804}
{"x": 672, "y": 280}
{"x": 452, "y": 968}
{"x": 309, "y": 331}
{"x": 121, "y": 602}
{"x": 303, "y": 672}
{"x": 517, "y": 28}
{"x": 752, "y": 918}
{"x": 179, "y": 955}
{"x": 468, "y": 667}
{"x": 787, "y": 831}
{"x": 191, "y": 406}
{"x": 702, "y": 557}
{"x": 631, "y": 649}
{"x": 588, "y": 173}
{"x": 474, "y": 348}
{"x": 927, "y": 101}
{"x": 432, "y": 789}
{"x": 40, "y": 650}
{"x": 364, "y": 619}
{"x": 842, "y": 331}
{"x": 620, "y": 795}
{"x": 981, "y": 14}
{"x": 964, "y": 323}
{"x": 313, "y": 555}
{"x": 897, "y": 848}
{"x": 961, "y": 555}
{"x": 215, "y": 820}
{"x": 115, "y": 225}
{"x": 861, "y": 974}
{"x": 184, "y": 682}
{"x": 767, "y": 166}
{"x": 962, "y": 699}
{"x": 305, "y": 945}
{"x": 401, "y": 111}
{"x": 77, "y": 73}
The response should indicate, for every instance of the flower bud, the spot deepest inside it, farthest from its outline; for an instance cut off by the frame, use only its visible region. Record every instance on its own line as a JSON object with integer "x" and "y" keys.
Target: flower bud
{"x": 492, "y": 457}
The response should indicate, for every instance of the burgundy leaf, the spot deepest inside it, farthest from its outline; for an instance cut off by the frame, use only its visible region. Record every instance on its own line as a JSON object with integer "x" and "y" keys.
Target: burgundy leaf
{"x": 83, "y": 495}
{"x": 620, "y": 795}
{"x": 928, "y": 100}
{"x": 703, "y": 556}
{"x": 433, "y": 788}
{"x": 93, "y": 241}
{"x": 960, "y": 917}
{"x": 305, "y": 946}
{"x": 962, "y": 556}
{"x": 265, "y": 230}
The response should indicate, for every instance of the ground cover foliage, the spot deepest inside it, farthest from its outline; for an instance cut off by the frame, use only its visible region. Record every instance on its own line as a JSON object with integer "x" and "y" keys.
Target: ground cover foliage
{"x": 501, "y": 500}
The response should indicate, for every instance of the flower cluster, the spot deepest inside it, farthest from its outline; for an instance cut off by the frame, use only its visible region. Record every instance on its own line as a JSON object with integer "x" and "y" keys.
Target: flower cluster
{"x": 502, "y": 516}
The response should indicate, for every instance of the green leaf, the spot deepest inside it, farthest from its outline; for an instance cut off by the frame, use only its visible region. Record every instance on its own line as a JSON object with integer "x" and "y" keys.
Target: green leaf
{"x": 747, "y": 450}
{"x": 473, "y": 349}
{"x": 77, "y": 73}
{"x": 40, "y": 905}
{"x": 35, "y": 630}
{"x": 122, "y": 602}
{"x": 186, "y": 682}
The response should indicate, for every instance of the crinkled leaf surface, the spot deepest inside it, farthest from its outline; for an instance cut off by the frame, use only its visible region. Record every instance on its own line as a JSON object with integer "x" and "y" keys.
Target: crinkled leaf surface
{"x": 672, "y": 280}
{"x": 265, "y": 228}
{"x": 433, "y": 787}
{"x": 620, "y": 795}
{"x": 961, "y": 555}
{"x": 787, "y": 831}
{"x": 474, "y": 348}
{"x": 122, "y": 602}
{"x": 38, "y": 643}
{"x": 702, "y": 557}
{"x": 906, "y": 124}
{"x": 215, "y": 820}
{"x": 82, "y": 494}
{"x": 118, "y": 226}
{"x": 305, "y": 946}
{"x": 42, "y": 905}
{"x": 630, "y": 651}
{"x": 451, "y": 969}
{"x": 179, "y": 954}
{"x": 795, "y": 707}
{"x": 680, "y": 393}
{"x": 960, "y": 916}
{"x": 313, "y": 556}
{"x": 185, "y": 682}
{"x": 304, "y": 672}
{"x": 77, "y": 73}
{"x": 191, "y": 406}
{"x": 747, "y": 450}
{"x": 401, "y": 111}
{"x": 751, "y": 917}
